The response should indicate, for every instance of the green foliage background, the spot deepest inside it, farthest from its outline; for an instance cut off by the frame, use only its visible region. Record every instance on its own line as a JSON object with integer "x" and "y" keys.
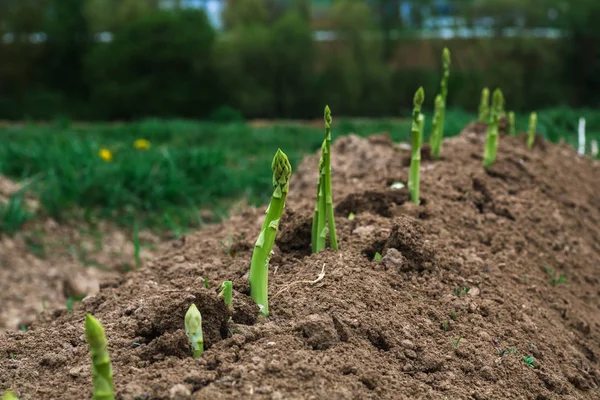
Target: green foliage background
{"x": 265, "y": 63}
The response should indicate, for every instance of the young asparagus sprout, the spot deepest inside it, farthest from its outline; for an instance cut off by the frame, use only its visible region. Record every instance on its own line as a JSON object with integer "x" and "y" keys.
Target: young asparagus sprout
{"x": 227, "y": 292}
{"x": 491, "y": 145}
{"x": 323, "y": 214}
{"x": 101, "y": 367}
{"x": 436, "y": 131}
{"x": 417, "y": 136}
{"x": 437, "y": 134}
{"x": 581, "y": 136}
{"x": 9, "y": 396}
{"x": 193, "y": 330}
{"x": 259, "y": 268}
{"x": 511, "y": 123}
{"x": 532, "y": 130}
{"x": 484, "y": 106}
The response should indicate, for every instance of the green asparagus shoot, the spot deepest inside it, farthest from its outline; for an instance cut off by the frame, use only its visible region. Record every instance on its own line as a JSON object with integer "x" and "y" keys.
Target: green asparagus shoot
{"x": 417, "y": 136}
{"x": 529, "y": 361}
{"x": 318, "y": 240}
{"x": 484, "y": 106}
{"x": 227, "y": 292}
{"x": 323, "y": 214}
{"x": 437, "y": 134}
{"x": 101, "y": 367}
{"x": 456, "y": 343}
{"x": 437, "y": 131}
{"x": 511, "y": 123}
{"x": 193, "y": 330}
{"x": 377, "y": 257}
{"x": 9, "y": 396}
{"x": 491, "y": 146}
{"x": 532, "y": 130}
{"x": 259, "y": 268}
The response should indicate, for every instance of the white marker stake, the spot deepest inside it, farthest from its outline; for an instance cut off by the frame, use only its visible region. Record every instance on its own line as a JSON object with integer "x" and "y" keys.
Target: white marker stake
{"x": 594, "y": 148}
{"x": 581, "y": 150}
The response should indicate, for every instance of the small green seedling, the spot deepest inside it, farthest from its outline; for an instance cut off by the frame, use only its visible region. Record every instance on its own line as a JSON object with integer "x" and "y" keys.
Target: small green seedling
{"x": 556, "y": 279}
{"x": 453, "y": 316}
{"x": 227, "y": 292}
{"x": 193, "y": 330}
{"x": 351, "y": 216}
{"x": 377, "y": 257}
{"x": 9, "y": 396}
{"x": 484, "y": 106}
{"x": 437, "y": 134}
{"x": 323, "y": 219}
{"x": 227, "y": 248}
{"x": 206, "y": 285}
{"x": 101, "y": 367}
{"x": 259, "y": 267}
{"x": 445, "y": 325}
{"x": 532, "y": 130}
{"x": 72, "y": 299}
{"x": 491, "y": 145}
{"x": 529, "y": 361}
{"x": 417, "y": 139}
{"x": 465, "y": 289}
{"x": 456, "y": 343}
{"x": 136, "y": 244}
{"x": 511, "y": 123}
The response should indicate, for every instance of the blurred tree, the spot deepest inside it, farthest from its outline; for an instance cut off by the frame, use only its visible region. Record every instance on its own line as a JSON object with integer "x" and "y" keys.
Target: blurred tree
{"x": 158, "y": 65}
{"x": 68, "y": 41}
{"x": 110, "y": 15}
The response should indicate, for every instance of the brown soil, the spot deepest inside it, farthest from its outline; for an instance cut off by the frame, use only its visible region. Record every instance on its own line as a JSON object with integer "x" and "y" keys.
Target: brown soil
{"x": 46, "y": 263}
{"x": 367, "y": 330}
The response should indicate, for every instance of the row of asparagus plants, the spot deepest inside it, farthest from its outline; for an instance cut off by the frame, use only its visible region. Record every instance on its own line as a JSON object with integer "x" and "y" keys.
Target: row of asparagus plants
{"x": 323, "y": 225}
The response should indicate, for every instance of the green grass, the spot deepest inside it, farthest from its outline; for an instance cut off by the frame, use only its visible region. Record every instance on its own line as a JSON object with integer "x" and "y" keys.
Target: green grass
{"x": 190, "y": 166}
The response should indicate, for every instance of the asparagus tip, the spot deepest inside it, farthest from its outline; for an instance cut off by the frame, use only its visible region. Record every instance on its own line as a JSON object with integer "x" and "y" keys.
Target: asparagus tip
{"x": 446, "y": 56}
{"x": 327, "y": 116}
{"x": 419, "y": 97}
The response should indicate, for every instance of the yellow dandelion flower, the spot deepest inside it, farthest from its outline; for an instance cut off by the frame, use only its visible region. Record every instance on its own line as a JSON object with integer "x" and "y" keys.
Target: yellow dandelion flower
{"x": 106, "y": 155}
{"x": 141, "y": 144}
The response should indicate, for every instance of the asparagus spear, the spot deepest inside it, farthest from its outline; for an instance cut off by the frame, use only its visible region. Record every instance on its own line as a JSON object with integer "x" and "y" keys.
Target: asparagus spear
{"x": 259, "y": 268}
{"x": 436, "y": 145}
{"x": 491, "y": 145}
{"x": 511, "y": 123}
{"x": 193, "y": 330}
{"x": 101, "y": 366}
{"x": 416, "y": 133}
{"x": 226, "y": 292}
{"x": 321, "y": 230}
{"x": 532, "y": 130}
{"x": 484, "y": 106}
{"x": 437, "y": 130}
{"x": 328, "y": 193}
{"x": 9, "y": 396}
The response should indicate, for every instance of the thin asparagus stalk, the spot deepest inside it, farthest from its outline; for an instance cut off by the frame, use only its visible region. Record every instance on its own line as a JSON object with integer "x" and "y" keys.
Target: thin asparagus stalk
{"x": 259, "y": 268}
{"x": 101, "y": 367}
{"x": 532, "y": 130}
{"x": 436, "y": 146}
{"x": 491, "y": 146}
{"x": 193, "y": 330}
{"x": 437, "y": 131}
{"x": 227, "y": 292}
{"x": 315, "y": 223}
{"x": 416, "y": 133}
{"x": 322, "y": 205}
{"x": 328, "y": 192}
{"x": 9, "y": 396}
{"x": 484, "y": 106}
{"x": 511, "y": 123}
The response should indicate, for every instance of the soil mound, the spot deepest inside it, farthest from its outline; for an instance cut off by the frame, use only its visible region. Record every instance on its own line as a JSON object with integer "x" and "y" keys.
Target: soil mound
{"x": 462, "y": 305}
{"x": 45, "y": 264}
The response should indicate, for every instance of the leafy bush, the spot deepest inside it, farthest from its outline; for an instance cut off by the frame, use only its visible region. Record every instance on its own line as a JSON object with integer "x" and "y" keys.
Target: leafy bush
{"x": 159, "y": 65}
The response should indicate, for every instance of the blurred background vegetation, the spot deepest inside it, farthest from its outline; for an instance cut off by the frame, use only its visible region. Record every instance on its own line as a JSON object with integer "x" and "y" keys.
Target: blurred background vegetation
{"x": 232, "y": 59}
{"x": 184, "y": 75}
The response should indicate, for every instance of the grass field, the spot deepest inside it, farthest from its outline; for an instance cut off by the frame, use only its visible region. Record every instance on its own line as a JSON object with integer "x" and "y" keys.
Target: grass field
{"x": 189, "y": 166}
